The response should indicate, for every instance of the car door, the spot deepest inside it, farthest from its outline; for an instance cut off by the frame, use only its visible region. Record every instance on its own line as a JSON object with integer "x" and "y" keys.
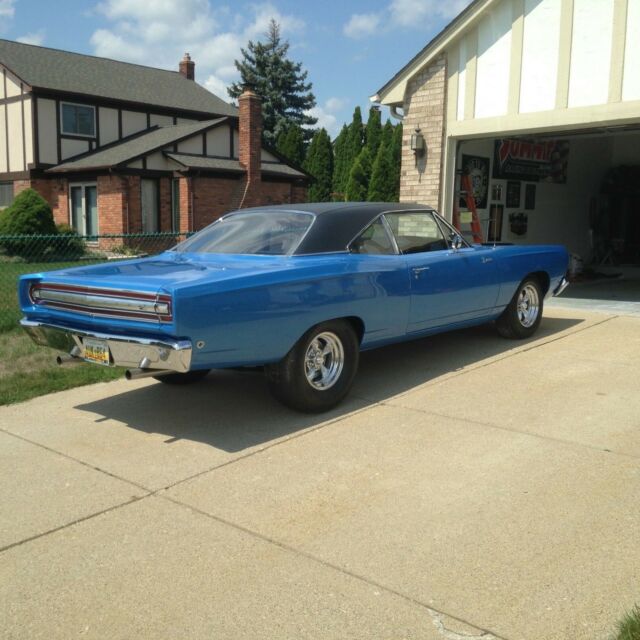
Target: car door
{"x": 447, "y": 285}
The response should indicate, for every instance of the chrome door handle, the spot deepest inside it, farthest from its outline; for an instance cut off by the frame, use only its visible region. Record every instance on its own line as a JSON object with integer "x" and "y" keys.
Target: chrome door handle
{"x": 485, "y": 260}
{"x": 418, "y": 270}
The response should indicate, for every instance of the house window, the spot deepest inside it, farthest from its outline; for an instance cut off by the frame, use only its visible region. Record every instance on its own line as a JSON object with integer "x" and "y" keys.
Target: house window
{"x": 150, "y": 205}
{"x": 6, "y": 194}
{"x": 78, "y": 119}
{"x": 175, "y": 204}
{"x": 83, "y": 208}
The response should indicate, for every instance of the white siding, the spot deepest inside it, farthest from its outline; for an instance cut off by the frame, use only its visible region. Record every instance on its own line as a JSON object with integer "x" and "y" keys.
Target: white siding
{"x": 494, "y": 54}
{"x": 236, "y": 143}
{"x": 163, "y": 121}
{"x": 132, "y": 122}
{"x": 218, "y": 141}
{"x": 136, "y": 164}
{"x": 191, "y": 145}
{"x": 108, "y": 125}
{"x": 591, "y": 52}
{"x": 3, "y": 140}
{"x": 265, "y": 155}
{"x": 70, "y": 148}
{"x": 13, "y": 86}
{"x": 159, "y": 161}
{"x": 185, "y": 120}
{"x": 48, "y": 150}
{"x": 28, "y": 131}
{"x": 462, "y": 77}
{"x": 631, "y": 79}
{"x": 16, "y": 158}
{"x": 540, "y": 53}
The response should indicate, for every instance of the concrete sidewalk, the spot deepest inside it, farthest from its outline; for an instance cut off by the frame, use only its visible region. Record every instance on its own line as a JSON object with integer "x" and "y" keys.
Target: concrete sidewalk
{"x": 471, "y": 487}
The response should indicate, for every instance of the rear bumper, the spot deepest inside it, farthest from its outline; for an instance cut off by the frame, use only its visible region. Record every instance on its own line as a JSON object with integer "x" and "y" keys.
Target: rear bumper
{"x": 564, "y": 283}
{"x": 125, "y": 351}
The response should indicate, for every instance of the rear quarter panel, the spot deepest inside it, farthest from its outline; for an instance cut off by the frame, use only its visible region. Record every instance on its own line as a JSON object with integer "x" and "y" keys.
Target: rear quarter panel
{"x": 257, "y": 319}
{"x": 515, "y": 262}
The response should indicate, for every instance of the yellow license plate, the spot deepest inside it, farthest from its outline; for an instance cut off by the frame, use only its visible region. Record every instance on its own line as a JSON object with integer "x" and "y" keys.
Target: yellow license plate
{"x": 97, "y": 351}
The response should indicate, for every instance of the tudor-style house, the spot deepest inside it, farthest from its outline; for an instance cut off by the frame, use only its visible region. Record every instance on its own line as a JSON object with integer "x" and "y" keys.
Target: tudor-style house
{"x": 122, "y": 148}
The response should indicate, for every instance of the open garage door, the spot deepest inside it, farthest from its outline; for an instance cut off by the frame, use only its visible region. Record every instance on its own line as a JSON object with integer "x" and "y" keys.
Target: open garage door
{"x": 576, "y": 188}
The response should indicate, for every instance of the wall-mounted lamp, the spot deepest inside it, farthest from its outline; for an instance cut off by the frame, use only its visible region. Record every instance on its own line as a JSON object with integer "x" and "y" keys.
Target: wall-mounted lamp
{"x": 418, "y": 145}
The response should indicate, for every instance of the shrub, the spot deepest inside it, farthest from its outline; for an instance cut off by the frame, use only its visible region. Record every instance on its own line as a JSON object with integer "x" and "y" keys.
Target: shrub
{"x": 68, "y": 244}
{"x": 29, "y": 214}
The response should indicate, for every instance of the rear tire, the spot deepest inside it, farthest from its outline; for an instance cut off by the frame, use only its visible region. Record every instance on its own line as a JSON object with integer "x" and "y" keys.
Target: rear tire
{"x": 183, "y": 378}
{"x": 319, "y": 371}
{"x": 522, "y": 317}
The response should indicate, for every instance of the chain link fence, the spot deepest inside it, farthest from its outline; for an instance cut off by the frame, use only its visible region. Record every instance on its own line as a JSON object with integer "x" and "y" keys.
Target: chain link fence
{"x": 36, "y": 253}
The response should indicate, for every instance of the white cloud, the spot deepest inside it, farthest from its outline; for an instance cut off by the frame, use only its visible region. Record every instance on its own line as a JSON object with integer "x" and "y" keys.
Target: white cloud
{"x": 412, "y": 13}
{"x": 326, "y": 114}
{"x": 403, "y": 13}
{"x": 160, "y": 37}
{"x": 361, "y": 25}
{"x": 36, "y": 37}
{"x": 7, "y": 8}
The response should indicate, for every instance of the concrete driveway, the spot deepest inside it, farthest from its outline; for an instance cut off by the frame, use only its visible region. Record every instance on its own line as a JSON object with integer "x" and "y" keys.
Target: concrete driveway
{"x": 471, "y": 487}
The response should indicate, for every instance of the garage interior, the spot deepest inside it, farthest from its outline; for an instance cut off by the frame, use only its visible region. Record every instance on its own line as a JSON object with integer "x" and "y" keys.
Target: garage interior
{"x": 589, "y": 200}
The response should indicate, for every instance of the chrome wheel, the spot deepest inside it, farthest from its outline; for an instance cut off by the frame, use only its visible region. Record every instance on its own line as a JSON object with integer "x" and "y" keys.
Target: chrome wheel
{"x": 324, "y": 360}
{"x": 528, "y": 305}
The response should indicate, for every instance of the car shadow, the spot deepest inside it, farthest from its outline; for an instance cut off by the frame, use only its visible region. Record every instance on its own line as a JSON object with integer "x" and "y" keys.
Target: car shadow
{"x": 233, "y": 410}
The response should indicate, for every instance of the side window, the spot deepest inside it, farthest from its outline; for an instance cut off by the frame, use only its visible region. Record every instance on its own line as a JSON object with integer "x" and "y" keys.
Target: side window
{"x": 416, "y": 232}
{"x": 373, "y": 240}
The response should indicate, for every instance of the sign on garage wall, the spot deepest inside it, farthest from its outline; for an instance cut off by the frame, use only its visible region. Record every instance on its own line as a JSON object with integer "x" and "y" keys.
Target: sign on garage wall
{"x": 518, "y": 159}
{"x": 478, "y": 170}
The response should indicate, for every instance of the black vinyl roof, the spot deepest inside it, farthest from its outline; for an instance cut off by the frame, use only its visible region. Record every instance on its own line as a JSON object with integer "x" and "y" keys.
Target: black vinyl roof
{"x": 337, "y": 223}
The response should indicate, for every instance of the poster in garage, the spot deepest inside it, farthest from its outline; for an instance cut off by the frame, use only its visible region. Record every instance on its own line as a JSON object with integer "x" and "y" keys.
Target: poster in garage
{"x": 478, "y": 170}
{"x": 531, "y": 160}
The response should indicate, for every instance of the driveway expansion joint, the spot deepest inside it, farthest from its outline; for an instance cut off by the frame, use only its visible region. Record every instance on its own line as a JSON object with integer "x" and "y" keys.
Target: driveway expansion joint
{"x": 435, "y": 614}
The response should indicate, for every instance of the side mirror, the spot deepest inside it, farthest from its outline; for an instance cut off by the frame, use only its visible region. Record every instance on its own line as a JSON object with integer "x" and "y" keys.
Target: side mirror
{"x": 456, "y": 241}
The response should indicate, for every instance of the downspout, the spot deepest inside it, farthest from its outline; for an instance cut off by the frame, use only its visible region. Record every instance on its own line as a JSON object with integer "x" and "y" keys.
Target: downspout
{"x": 394, "y": 112}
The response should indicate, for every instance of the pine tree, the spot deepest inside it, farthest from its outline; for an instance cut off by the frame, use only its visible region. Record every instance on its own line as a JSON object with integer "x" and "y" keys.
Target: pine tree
{"x": 359, "y": 177}
{"x": 396, "y": 157}
{"x": 339, "y": 156}
{"x": 387, "y": 133}
{"x": 290, "y": 144}
{"x": 348, "y": 154}
{"x": 382, "y": 184}
{"x": 280, "y": 82}
{"x": 373, "y": 131}
{"x": 319, "y": 163}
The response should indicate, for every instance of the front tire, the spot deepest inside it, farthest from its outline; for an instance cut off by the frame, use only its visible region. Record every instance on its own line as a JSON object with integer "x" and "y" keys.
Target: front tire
{"x": 183, "y": 378}
{"x": 319, "y": 371}
{"x": 522, "y": 317}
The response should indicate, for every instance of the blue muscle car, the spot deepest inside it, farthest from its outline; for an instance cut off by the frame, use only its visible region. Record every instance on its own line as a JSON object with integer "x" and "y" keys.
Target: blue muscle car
{"x": 297, "y": 289}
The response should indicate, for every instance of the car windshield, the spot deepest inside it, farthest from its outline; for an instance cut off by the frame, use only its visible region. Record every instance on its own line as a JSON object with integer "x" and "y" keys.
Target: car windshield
{"x": 265, "y": 233}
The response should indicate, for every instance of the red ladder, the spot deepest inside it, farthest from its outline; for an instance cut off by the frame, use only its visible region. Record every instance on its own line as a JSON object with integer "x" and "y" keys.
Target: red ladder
{"x": 466, "y": 193}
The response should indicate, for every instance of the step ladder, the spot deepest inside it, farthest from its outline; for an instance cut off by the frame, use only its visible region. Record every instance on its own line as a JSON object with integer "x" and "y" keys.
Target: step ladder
{"x": 469, "y": 214}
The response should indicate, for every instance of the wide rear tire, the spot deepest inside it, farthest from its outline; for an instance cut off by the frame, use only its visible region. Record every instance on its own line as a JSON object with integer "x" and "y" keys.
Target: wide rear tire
{"x": 522, "y": 317}
{"x": 319, "y": 370}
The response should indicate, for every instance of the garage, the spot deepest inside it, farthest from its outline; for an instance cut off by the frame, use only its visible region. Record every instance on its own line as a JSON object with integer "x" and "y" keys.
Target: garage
{"x": 537, "y": 102}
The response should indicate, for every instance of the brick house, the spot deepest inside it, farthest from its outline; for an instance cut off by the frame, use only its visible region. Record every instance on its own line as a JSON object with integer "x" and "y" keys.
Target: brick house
{"x": 122, "y": 148}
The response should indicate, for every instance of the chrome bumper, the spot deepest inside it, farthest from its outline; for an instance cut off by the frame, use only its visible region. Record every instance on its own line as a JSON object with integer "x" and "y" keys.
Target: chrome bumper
{"x": 564, "y": 283}
{"x": 169, "y": 355}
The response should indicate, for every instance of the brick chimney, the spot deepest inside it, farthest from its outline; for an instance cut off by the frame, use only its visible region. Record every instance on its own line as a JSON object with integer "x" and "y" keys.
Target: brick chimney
{"x": 250, "y": 143}
{"x": 187, "y": 67}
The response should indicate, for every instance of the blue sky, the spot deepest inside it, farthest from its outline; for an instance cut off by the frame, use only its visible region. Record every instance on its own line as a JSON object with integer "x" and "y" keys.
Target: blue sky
{"x": 350, "y": 49}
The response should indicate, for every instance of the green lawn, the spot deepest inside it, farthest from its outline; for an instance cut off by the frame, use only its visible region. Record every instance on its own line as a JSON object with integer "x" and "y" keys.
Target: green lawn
{"x": 9, "y": 274}
{"x": 27, "y": 370}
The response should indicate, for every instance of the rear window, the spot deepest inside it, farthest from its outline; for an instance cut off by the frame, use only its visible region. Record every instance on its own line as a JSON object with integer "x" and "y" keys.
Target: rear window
{"x": 266, "y": 233}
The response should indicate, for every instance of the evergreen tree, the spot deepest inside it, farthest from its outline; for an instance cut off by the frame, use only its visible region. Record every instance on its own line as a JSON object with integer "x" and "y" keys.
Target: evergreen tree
{"x": 387, "y": 133}
{"x": 352, "y": 148}
{"x": 382, "y": 184}
{"x": 339, "y": 156}
{"x": 291, "y": 145}
{"x": 373, "y": 131}
{"x": 280, "y": 82}
{"x": 359, "y": 177}
{"x": 319, "y": 163}
{"x": 396, "y": 157}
